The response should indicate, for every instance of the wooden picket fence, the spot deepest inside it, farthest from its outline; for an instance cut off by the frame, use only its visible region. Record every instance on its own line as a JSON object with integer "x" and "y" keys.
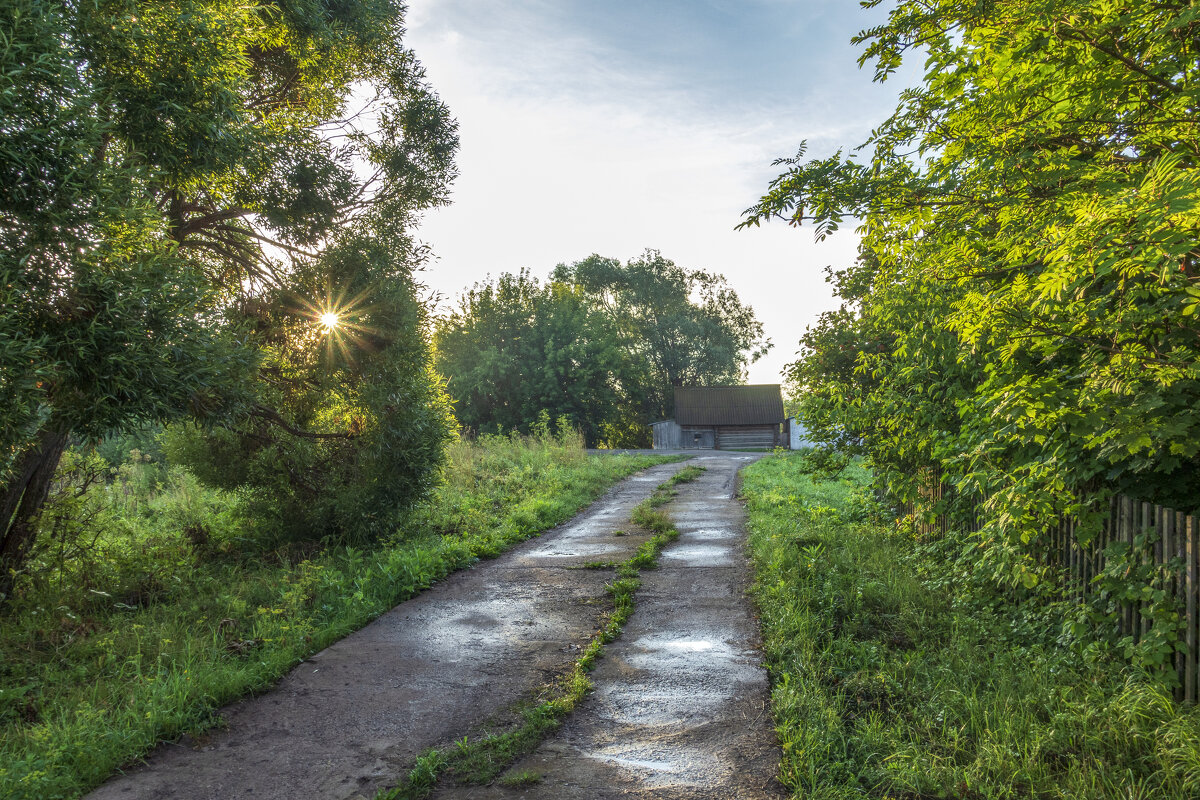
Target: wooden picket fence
{"x": 1175, "y": 555}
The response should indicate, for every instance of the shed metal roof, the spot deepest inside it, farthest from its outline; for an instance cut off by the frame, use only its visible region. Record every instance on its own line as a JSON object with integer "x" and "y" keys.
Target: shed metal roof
{"x": 761, "y": 404}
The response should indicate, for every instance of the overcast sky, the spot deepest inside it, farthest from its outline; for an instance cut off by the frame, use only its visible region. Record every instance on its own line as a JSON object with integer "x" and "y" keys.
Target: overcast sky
{"x": 612, "y": 127}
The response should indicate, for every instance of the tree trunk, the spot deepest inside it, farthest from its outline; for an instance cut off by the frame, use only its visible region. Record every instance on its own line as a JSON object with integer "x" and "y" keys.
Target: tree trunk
{"x": 22, "y": 498}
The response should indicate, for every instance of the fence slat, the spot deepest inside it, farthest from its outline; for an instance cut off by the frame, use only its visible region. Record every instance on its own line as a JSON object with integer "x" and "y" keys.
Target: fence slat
{"x": 1174, "y": 539}
{"x": 1126, "y": 535}
{"x": 1143, "y": 610}
{"x": 1189, "y": 674}
{"x": 1088, "y": 567}
{"x": 1168, "y": 551}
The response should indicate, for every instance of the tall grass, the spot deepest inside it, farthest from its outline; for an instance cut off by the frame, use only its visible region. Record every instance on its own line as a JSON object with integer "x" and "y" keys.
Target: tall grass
{"x": 174, "y": 609}
{"x": 890, "y": 681}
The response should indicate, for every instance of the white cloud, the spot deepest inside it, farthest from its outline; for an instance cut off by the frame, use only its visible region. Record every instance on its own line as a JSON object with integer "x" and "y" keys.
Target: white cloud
{"x": 568, "y": 148}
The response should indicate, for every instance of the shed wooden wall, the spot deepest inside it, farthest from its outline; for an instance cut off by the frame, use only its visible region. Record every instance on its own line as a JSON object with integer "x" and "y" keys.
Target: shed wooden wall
{"x": 666, "y": 435}
{"x": 698, "y": 437}
{"x": 669, "y": 435}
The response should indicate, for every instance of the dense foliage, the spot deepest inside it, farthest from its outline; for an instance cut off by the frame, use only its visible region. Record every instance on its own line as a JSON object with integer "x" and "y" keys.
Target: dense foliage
{"x": 684, "y": 327}
{"x": 515, "y": 348}
{"x": 184, "y": 187}
{"x": 600, "y": 345}
{"x": 1021, "y": 320}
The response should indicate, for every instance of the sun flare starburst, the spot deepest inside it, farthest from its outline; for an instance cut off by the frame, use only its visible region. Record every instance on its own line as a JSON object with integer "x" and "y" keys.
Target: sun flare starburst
{"x": 340, "y": 325}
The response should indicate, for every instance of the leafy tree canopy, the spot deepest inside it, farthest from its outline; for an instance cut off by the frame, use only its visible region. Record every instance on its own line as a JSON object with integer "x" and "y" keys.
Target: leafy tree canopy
{"x": 184, "y": 187}
{"x": 601, "y": 344}
{"x": 1022, "y": 316}
{"x": 688, "y": 327}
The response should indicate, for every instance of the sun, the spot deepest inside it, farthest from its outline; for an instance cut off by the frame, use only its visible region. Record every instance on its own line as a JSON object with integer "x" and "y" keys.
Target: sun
{"x": 339, "y": 325}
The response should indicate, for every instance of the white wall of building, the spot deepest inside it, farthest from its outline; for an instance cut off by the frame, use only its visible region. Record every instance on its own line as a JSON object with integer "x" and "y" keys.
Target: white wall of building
{"x": 799, "y": 435}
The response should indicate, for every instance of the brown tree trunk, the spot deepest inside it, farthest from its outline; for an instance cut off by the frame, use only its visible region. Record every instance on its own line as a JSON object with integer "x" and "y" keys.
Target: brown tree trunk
{"x": 20, "y": 501}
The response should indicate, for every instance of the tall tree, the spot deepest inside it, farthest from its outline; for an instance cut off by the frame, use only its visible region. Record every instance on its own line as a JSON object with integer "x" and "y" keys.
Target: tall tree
{"x": 185, "y": 187}
{"x": 515, "y": 348}
{"x": 688, "y": 327}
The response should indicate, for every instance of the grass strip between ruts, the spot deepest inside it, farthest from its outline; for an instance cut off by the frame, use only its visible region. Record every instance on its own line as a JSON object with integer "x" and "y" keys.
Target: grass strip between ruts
{"x": 480, "y": 761}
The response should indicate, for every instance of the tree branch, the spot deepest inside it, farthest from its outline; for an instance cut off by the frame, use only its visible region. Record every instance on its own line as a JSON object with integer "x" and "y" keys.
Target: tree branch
{"x": 272, "y": 416}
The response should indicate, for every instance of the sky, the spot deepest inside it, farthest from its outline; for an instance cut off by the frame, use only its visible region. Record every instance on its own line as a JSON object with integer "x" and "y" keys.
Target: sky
{"x": 613, "y": 127}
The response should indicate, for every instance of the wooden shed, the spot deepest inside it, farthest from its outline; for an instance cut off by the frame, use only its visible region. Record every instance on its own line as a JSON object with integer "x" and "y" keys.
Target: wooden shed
{"x": 724, "y": 418}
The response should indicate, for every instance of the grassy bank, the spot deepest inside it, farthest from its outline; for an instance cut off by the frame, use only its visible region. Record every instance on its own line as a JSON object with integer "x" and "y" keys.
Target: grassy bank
{"x": 160, "y": 622}
{"x": 890, "y": 680}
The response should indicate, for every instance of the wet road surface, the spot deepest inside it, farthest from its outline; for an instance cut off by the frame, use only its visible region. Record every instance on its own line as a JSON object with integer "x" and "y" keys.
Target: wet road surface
{"x": 681, "y": 703}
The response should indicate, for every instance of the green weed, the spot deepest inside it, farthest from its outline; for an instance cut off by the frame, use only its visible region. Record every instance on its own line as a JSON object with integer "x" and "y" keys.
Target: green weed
{"x": 525, "y": 777}
{"x": 885, "y": 686}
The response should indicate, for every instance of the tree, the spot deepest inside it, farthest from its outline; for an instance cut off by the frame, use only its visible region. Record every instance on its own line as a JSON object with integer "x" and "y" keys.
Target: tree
{"x": 515, "y": 349}
{"x": 1023, "y": 314}
{"x": 601, "y": 344}
{"x": 186, "y": 187}
{"x": 688, "y": 327}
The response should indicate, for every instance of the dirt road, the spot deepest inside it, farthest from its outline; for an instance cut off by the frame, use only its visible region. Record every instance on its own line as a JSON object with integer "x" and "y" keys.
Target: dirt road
{"x": 679, "y": 708}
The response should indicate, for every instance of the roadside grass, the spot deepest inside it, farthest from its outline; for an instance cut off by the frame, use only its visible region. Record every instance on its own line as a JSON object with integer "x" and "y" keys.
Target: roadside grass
{"x": 889, "y": 681}
{"x": 521, "y": 779}
{"x": 482, "y": 760}
{"x": 154, "y": 627}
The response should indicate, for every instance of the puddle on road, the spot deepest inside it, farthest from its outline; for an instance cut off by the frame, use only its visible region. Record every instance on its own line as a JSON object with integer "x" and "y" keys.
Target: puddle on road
{"x": 708, "y": 534}
{"x": 703, "y": 652}
{"x": 700, "y": 555}
{"x": 591, "y": 537}
{"x": 680, "y": 677}
{"x": 574, "y": 550}
{"x": 663, "y": 764}
{"x": 697, "y": 508}
{"x": 479, "y": 630}
{"x": 638, "y": 763}
{"x": 697, "y": 523}
{"x": 693, "y": 646}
